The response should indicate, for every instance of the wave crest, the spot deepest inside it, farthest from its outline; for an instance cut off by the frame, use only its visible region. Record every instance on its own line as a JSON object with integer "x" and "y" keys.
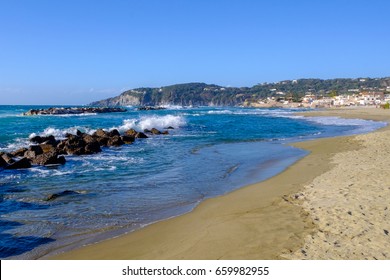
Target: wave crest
{"x": 60, "y": 133}
{"x": 149, "y": 122}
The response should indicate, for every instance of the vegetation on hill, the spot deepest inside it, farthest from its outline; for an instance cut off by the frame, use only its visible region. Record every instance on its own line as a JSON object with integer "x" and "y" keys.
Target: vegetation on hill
{"x": 201, "y": 94}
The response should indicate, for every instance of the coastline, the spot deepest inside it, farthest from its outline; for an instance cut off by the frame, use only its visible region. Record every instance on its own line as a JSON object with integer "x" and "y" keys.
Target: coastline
{"x": 266, "y": 220}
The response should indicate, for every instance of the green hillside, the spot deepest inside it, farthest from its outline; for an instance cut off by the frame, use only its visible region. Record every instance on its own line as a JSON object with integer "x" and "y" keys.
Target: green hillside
{"x": 201, "y": 94}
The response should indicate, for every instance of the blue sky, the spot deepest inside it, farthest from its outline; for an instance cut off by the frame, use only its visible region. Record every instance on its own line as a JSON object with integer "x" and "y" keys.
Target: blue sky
{"x": 75, "y": 52}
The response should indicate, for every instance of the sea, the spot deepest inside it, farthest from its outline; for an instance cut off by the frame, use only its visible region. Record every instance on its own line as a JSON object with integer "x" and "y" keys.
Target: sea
{"x": 211, "y": 151}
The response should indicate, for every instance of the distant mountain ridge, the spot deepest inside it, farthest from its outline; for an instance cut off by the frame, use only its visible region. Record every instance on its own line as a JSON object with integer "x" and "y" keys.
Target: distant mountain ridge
{"x": 201, "y": 94}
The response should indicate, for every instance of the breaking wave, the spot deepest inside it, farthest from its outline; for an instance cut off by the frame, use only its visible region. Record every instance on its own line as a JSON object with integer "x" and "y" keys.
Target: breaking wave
{"x": 159, "y": 122}
{"x": 149, "y": 122}
{"x": 60, "y": 133}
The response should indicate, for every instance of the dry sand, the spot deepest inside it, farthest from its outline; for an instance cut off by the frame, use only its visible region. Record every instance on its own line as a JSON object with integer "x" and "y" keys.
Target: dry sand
{"x": 350, "y": 203}
{"x": 332, "y": 204}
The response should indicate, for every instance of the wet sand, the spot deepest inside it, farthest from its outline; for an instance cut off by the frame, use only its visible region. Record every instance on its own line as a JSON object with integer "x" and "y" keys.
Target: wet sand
{"x": 302, "y": 213}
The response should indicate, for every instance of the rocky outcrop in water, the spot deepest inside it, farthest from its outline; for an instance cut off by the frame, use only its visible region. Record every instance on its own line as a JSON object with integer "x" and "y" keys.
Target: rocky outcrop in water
{"x": 48, "y": 158}
{"x": 61, "y": 194}
{"x": 47, "y": 150}
{"x": 7, "y": 157}
{"x": 150, "y": 108}
{"x": 131, "y": 132}
{"x": 3, "y": 163}
{"x": 74, "y": 110}
{"x": 156, "y": 131}
{"x": 19, "y": 164}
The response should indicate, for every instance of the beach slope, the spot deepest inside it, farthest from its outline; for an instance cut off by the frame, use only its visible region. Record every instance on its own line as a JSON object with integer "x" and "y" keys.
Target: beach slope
{"x": 349, "y": 204}
{"x": 332, "y": 204}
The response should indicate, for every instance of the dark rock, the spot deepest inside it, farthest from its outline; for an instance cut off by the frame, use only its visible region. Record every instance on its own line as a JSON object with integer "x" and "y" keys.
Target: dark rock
{"x": 386, "y": 232}
{"x": 155, "y": 131}
{"x": 61, "y": 160}
{"x": 60, "y": 194}
{"x": 127, "y": 139}
{"x": 79, "y": 133}
{"x": 33, "y": 151}
{"x": 20, "y": 164}
{"x": 46, "y": 148}
{"x": 35, "y": 148}
{"x": 48, "y": 158}
{"x": 71, "y": 150}
{"x": 114, "y": 132}
{"x": 131, "y": 132}
{"x": 19, "y": 152}
{"x": 53, "y": 143}
{"x": 36, "y": 139}
{"x": 74, "y": 145}
{"x": 100, "y": 133}
{"x": 76, "y": 141}
{"x": 165, "y": 132}
{"x": 49, "y": 139}
{"x": 88, "y": 138}
{"x": 40, "y": 139}
{"x": 72, "y": 137}
{"x": 8, "y": 158}
{"x": 169, "y": 127}
{"x": 3, "y": 163}
{"x": 103, "y": 141}
{"x": 74, "y": 110}
{"x": 92, "y": 144}
{"x": 92, "y": 148}
{"x": 60, "y": 149}
{"x": 150, "y": 108}
{"x": 141, "y": 135}
{"x": 115, "y": 141}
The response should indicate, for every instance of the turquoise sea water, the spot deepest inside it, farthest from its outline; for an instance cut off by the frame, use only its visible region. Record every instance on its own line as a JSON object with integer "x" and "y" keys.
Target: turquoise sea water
{"x": 210, "y": 152}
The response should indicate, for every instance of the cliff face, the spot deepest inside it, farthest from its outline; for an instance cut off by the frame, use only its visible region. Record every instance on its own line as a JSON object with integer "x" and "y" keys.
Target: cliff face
{"x": 121, "y": 100}
{"x": 201, "y": 94}
{"x": 193, "y": 94}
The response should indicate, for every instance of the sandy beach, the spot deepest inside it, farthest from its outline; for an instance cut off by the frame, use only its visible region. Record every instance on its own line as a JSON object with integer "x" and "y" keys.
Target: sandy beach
{"x": 332, "y": 204}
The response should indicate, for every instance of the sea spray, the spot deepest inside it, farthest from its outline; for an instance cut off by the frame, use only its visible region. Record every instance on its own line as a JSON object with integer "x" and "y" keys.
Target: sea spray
{"x": 154, "y": 121}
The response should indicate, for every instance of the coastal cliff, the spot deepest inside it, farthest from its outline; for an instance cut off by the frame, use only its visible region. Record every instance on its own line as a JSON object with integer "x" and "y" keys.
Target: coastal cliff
{"x": 201, "y": 94}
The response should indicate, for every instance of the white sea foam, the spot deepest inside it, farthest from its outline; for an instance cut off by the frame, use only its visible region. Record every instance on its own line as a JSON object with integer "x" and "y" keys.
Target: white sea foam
{"x": 340, "y": 121}
{"x": 172, "y": 107}
{"x": 18, "y": 143}
{"x": 362, "y": 126}
{"x": 72, "y": 115}
{"x": 10, "y": 115}
{"x": 149, "y": 122}
{"x": 261, "y": 112}
{"x": 60, "y": 133}
{"x": 220, "y": 112}
{"x": 44, "y": 171}
{"x": 10, "y": 179}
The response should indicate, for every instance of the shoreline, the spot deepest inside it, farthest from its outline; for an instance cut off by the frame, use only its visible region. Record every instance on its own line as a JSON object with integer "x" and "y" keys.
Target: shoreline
{"x": 259, "y": 221}
{"x": 349, "y": 203}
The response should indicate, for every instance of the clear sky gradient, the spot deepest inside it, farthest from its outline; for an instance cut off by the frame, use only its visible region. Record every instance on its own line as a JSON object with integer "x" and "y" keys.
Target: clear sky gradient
{"x": 76, "y": 52}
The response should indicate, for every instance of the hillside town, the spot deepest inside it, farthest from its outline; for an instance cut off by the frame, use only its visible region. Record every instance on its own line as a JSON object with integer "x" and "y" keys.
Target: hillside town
{"x": 378, "y": 97}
